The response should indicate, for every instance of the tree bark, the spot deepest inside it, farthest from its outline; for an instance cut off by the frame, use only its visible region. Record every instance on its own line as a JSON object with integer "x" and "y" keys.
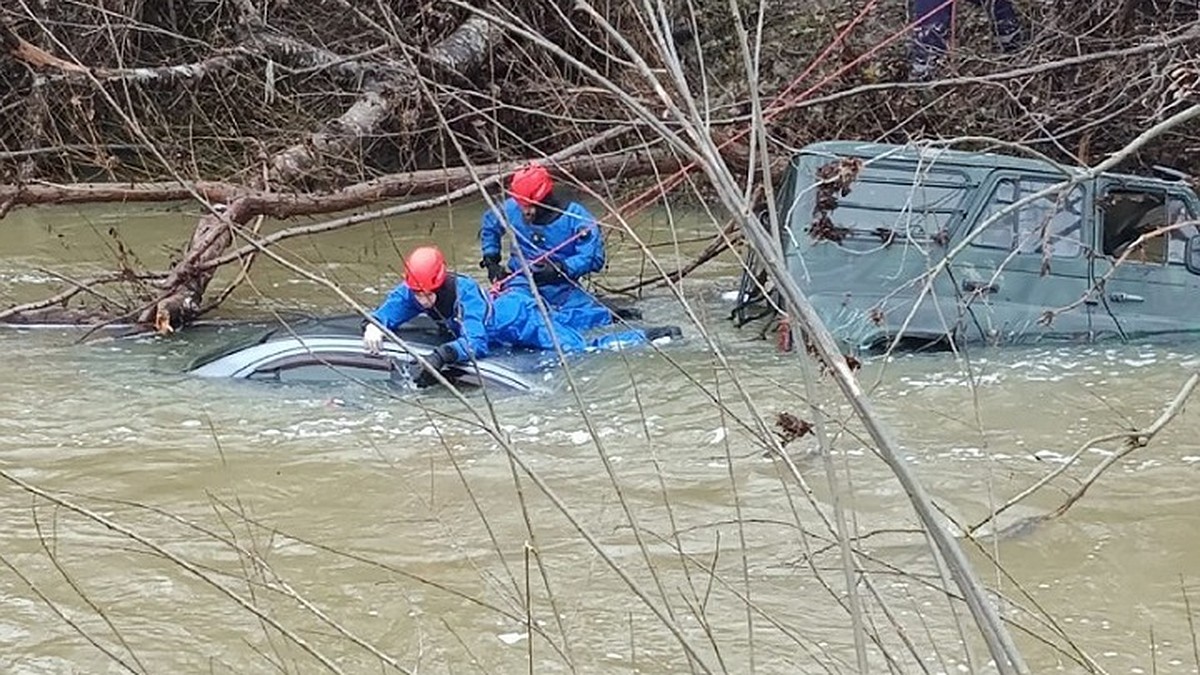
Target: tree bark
{"x": 463, "y": 50}
{"x": 35, "y": 56}
{"x": 287, "y": 204}
{"x": 188, "y": 279}
{"x": 85, "y": 193}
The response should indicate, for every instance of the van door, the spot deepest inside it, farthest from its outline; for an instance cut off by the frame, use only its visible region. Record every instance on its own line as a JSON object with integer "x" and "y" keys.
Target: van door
{"x": 1145, "y": 288}
{"x": 1029, "y": 260}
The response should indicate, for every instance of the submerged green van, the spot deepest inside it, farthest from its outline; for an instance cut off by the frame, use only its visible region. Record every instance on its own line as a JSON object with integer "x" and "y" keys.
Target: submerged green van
{"x": 1019, "y": 260}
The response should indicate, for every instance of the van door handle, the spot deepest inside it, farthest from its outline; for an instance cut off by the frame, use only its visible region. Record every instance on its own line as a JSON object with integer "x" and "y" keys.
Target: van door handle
{"x": 972, "y": 286}
{"x": 1125, "y": 297}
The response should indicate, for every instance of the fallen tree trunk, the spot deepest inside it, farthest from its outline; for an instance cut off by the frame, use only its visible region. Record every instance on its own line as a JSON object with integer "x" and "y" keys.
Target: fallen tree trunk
{"x": 174, "y": 297}
{"x": 87, "y": 193}
{"x": 462, "y": 50}
{"x": 189, "y": 278}
{"x": 630, "y": 164}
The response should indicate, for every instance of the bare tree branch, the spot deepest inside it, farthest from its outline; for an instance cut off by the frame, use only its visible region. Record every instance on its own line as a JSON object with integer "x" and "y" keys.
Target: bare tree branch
{"x": 1134, "y": 439}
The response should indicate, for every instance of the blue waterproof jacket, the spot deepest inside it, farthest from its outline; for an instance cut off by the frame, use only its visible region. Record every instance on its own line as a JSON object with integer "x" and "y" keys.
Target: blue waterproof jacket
{"x": 581, "y": 257}
{"x": 467, "y": 325}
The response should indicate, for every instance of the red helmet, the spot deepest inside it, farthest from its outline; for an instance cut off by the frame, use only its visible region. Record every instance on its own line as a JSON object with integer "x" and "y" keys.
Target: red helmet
{"x": 530, "y": 184}
{"x": 425, "y": 269}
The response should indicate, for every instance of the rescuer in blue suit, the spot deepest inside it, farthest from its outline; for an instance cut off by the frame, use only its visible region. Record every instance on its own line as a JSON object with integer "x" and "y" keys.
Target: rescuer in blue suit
{"x": 474, "y": 321}
{"x": 558, "y": 238}
{"x": 455, "y": 303}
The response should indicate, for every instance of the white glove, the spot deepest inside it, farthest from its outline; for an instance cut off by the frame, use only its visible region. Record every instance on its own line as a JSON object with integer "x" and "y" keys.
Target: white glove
{"x": 373, "y": 338}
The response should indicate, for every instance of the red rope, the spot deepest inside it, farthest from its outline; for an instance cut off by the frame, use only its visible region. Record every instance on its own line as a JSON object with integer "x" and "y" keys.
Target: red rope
{"x": 496, "y": 287}
{"x": 773, "y": 110}
{"x": 779, "y": 105}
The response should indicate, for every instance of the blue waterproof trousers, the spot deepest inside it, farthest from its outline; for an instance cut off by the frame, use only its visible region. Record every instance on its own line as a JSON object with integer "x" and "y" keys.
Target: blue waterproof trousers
{"x": 932, "y": 29}
{"x": 516, "y": 321}
{"x": 571, "y": 305}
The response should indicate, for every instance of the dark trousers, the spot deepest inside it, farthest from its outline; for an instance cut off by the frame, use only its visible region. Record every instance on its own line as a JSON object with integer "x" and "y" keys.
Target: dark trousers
{"x": 933, "y": 28}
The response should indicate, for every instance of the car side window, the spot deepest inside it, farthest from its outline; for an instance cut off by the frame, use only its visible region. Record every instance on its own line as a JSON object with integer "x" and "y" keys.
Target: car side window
{"x": 1053, "y": 222}
{"x": 325, "y": 366}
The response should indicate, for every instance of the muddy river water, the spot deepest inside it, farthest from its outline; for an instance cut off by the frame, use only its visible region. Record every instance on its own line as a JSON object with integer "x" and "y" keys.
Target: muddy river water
{"x": 158, "y": 523}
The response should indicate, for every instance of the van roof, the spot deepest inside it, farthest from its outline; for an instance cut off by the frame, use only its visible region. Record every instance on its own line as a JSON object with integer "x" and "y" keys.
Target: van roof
{"x": 966, "y": 159}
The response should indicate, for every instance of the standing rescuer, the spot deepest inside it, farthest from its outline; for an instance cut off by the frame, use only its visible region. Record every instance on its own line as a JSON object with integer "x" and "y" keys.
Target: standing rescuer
{"x": 934, "y": 21}
{"x": 557, "y": 236}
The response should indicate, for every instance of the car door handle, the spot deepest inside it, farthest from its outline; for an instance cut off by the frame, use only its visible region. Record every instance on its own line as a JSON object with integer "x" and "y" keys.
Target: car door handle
{"x": 972, "y": 286}
{"x": 1125, "y": 297}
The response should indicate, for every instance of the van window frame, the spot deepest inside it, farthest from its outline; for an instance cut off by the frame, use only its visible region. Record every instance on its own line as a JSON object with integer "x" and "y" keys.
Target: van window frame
{"x": 987, "y": 190}
{"x": 1169, "y": 191}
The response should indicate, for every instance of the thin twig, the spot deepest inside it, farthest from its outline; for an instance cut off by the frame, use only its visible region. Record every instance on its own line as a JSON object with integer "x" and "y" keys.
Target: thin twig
{"x": 186, "y": 565}
{"x": 1134, "y": 441}
{"x": 66, "y": 619}
{"x": 54, "y": 560}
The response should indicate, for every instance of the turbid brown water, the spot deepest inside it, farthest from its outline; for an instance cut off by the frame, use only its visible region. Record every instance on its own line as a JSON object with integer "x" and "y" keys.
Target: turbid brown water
{"x": 241, "y": 528}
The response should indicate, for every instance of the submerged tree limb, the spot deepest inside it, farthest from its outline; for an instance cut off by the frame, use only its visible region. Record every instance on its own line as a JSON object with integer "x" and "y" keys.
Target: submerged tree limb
{"x": 45, "y": 311}
{"x": 719, "y": 243}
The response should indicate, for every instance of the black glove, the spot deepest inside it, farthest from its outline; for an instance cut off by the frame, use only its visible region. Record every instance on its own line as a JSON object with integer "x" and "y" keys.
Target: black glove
{"x": 492, "y": 264}
{"x": 438, "y": 359}
{"x": 548, "y": 274}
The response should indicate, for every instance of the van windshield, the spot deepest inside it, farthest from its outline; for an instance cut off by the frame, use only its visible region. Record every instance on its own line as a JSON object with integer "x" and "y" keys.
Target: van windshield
{"x": 884, "y": 199}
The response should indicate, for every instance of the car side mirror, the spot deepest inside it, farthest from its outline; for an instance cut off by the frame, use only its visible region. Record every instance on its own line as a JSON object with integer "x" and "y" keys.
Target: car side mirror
{"x": 1192, "y": 256}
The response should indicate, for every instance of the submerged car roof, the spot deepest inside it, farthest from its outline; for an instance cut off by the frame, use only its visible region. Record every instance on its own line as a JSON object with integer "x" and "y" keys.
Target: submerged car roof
{"x": 337, "y": 326}
{"x": 326, "y": 340}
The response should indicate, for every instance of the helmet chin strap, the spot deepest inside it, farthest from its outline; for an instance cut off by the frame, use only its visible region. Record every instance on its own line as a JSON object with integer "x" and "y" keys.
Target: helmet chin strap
{"x": 548, "y": 210}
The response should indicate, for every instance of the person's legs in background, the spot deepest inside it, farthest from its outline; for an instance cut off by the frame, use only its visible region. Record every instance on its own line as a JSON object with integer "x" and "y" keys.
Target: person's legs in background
{"x": 928, "y": 44}
{"x": 1005, "y": 23}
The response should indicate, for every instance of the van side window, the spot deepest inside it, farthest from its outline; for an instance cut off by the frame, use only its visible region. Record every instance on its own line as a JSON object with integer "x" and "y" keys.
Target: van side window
{"x": 893, "y": 197}
{"x": 1131, "y": 213}
{"x": 1054, "y": 220}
